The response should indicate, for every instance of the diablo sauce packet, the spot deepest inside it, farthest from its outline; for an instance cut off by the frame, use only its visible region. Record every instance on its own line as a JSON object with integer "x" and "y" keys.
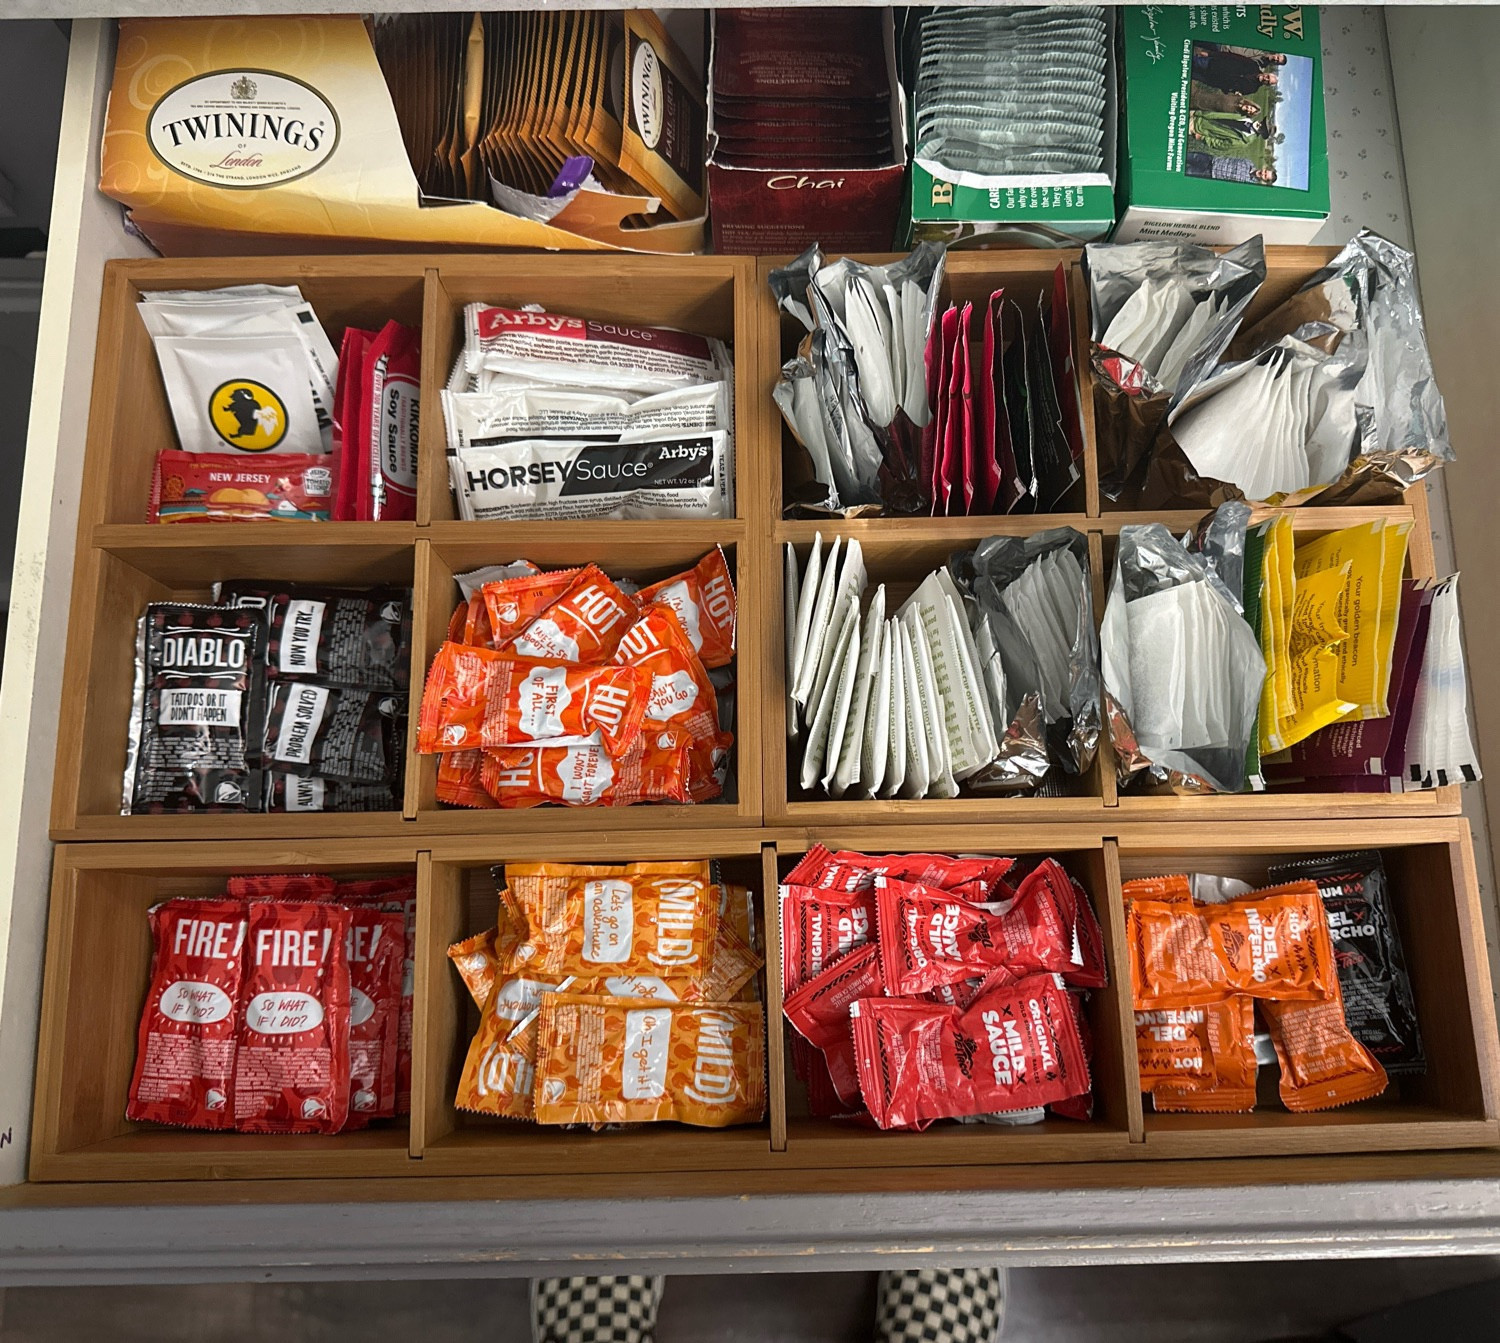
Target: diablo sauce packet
{"x": 196, "y": 711}
{"x": 184, "y": 1063}
{"x": 291, "y": 1071}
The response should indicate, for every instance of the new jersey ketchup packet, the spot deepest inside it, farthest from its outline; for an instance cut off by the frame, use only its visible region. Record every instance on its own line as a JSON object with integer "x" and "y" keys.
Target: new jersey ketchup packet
{"x": 184, "y": 1063}
{"x": 615, "y": 1061}
{"x": 704, "y": 601}
{"x": 291, "y": 1071}
{"x": 1014, "y": 1048}
{"x": 475, "y": 697}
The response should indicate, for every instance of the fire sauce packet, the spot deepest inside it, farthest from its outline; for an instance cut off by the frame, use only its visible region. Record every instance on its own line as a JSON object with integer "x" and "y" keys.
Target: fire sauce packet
{"x": 196, "y": 711}
{"x": 638, "y": 918}
{"x": 704, "y": 601}
{"x": 1014, "y": 1048}
{"x": 818, "y": 926}
{"x": 291, "y": 1071}
{"x": 475, "y": 698}
{"x": 375, "y": 948}
{"x": 613, "y": 1061}
{"x": 819, "y": 1011}
{"x": 221, "y": 487}
{"x": 1269, "y": 944}
{"x": 394, "y": 895}
{"x": 353, "y": 735}
{"x": 184, "y": 1062}
{"x": 1378, "y": 1001}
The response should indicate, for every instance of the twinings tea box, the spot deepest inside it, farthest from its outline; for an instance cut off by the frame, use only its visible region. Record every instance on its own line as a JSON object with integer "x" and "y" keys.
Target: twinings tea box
{"x": 1224, "y": 134}
{"x": 275, "y": 134}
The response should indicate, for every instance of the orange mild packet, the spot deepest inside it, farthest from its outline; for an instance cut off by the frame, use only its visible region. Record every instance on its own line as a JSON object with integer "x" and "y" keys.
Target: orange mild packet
{"x": 477, "y": 965}
{"x": 595, "y": 921}
{"x": 499, "y": 1070}
{"x": 613, "y": 1061}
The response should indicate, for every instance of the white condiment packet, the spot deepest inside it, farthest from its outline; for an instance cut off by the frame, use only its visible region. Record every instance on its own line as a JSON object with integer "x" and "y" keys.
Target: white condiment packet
{"x": 848, "y": 771}
{"x": 817, "y": 629}
{"x": 867, "y": 332}
{"x": 934, "y": 709}
{"x": 844, "y": 613}
{"x": 898, "y": 752}
{"x": 918, "y": 762}
{"x": 814, "y": 752}
{"x": 790, "y": 620}
{"x": 806, "y": 599}
{"x": 875, "y": 744}
{"x": 841, "y": 685}
{"x": 471, "y": 582}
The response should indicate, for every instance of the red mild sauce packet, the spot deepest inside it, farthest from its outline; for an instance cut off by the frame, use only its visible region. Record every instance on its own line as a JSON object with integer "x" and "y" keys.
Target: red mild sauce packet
{"x": 817, "y": 927}
{"x": 184, "y": 1063}
{"x": 291, "y": 1072}
{"x": 1014, "y": 1048}
{"x": 704, "y": 601}
{"x": 375, "y": 948}
{"x": 819, "y": 1011}
{"x": 977, "y": 879}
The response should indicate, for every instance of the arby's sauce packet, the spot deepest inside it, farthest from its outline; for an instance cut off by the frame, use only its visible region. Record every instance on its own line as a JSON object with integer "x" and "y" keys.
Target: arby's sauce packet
{"x": 819, "y": 1011}
{"x": 291, "y": 1070}
{"x": 1015, "y": 1048}
{"x": 704, "y": 601}
{"x": 184, "y": 1063}
{"x": 475, "y": 697}
{"x": 610, "y": 1061}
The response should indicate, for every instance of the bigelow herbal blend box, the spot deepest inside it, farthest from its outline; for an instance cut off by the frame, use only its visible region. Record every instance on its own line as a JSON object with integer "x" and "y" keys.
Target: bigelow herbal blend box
{"x": 1223, "y": 128}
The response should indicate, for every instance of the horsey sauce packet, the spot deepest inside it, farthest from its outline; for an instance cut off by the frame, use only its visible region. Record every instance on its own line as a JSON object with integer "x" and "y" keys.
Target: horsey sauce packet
{"x": 196, "y": 711}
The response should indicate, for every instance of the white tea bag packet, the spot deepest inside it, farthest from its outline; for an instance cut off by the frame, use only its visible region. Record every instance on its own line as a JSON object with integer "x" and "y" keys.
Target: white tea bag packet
{"x": 247, "y": 395}
{"x": 817, "y": 630}
{"x": 848, "y": 771}
{"x": 897, "y": 750}
{"x": 1158, "y": 666}
{"x": 941, "y": 783}
{"x": 1206, "y": 312}
{"x": 878, "y": 719}
{"x": 822, "y": 717}
{"x": 868, "y": 323}
{"x": 789, "y": 609}
{"x": 968, "y": 728}
{"x": 844, "y": 613}
{"x": 806, "y": 599}
{"x": 918, "y": 761}
{"x": 841, "y": 685}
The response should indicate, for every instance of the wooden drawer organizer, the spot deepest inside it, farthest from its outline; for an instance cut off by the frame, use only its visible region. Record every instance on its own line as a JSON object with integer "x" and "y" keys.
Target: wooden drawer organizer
{"x": 98, "y": 945}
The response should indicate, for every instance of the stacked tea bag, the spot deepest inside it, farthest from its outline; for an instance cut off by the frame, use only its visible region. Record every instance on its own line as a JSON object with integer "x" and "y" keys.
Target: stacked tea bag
{"x": 985, "y": 677}
{"x": 855, "y": 395}
{"x": 247, "y": 368}
{"x": 1011, "y": 92}
{"x": 526, "y": 108}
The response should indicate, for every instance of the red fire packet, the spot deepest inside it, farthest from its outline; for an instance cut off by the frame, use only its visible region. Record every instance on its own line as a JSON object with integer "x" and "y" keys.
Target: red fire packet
{"x": 817, "y": 927}
{"x": 965, "y": 488}
{"x": 184, "y": 1062}
{"x": 704, "y": 601}
{"x": 196, "y": 487}
{"x": 291, "y": 1067}
{"x": 928, "y": 937}
{"x": 349, "y": 421}
{"x": 819, "y": 1010}
{"x": 392, "y": 383}
{"x": 394, "y": 895}
{"x": 376, "y": 950}
{"x": 281, "y": 886}
{"x": 1015, "y": 1048}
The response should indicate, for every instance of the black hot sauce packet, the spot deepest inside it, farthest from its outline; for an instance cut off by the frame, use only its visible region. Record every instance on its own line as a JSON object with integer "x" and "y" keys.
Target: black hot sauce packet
{"x": 199, "y": 703}
{"x": 360, "y": 639}
{"x": 334, "y": 732}
{"x": 310, "y": 792}
{"x": 1378, "y": 1002}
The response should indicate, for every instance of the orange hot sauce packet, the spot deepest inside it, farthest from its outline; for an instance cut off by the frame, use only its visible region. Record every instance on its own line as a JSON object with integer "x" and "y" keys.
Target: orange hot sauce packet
{"x": 660, "y": 765}
{"x": 1322, "y": 1065}
{"x": 460, "y": 779}
{"x": 511, "y": 604}
{"x": 475, "y": 697}
{"x": 458, "y": 623}
{"x": 612, "y": 1061}
{"x": 477, "y": 632}
{"x": 477, "y": 965}
{"x": 704, "y": 601}
{"x": 594, "y": 921}
{"x": 681, "y": 694}
{"x": 584, "y": 625}
{"x": 1227, "y": 1085}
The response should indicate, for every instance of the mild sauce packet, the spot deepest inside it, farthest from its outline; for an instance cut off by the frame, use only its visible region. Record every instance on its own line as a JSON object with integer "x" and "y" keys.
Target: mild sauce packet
{"x": 819, "y": 1010}
{"x": 819, "y": 926}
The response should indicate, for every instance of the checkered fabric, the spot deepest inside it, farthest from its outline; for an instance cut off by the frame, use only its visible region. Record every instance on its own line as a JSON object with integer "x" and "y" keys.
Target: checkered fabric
{"x": 595, "y": 1310}
{"x": 940, "y": 1305}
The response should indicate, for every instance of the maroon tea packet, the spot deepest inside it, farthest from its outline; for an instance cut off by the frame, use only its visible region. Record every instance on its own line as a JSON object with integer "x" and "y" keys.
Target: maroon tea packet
{"x": 1008, "y": 488}
{"x": 948, "y": 340}
{"x": 1059, "y": 321}
{"x": 800, "y": 53}
{"x": 949, "y": 501}
{"x": 967, "y": 431}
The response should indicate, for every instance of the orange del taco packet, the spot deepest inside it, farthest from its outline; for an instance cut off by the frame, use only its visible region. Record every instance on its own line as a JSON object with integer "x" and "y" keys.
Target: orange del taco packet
{"x": 475, "y": 697}
{"x": 614, "y": 1061}
{"x": 1269, "y": 944}
{"x": 704, "y": 601}
{"x": 657, "y": 919}
{"x": 1322, "y": 1065}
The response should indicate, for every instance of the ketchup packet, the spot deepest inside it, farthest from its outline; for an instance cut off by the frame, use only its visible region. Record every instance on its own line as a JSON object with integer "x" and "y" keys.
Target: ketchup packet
{"x": 928, "y": 938}
{"x": 704, "y": 601}
{"x": 375, "y": 948}
{"x": 584, "y": 625}
{"x": 819, "y": 1010}
{"x": 817, "y": 927}
{"x": 224, "y": 487}
{"x": 613, "y": 1061}
{"x": 196, "y": 711}
{"x": 291, "y": 1071}
{"x": 511, "y": 604}
{"x": 640, "y": 918}
{"x": 478, "y": 698}
{"x": 353, "y": 735}
{"x": 184, "y": 1062}
{"x": 356, "y": 639}
{"x": 1015, "y": 1048}
{"x": 391, "y": 376}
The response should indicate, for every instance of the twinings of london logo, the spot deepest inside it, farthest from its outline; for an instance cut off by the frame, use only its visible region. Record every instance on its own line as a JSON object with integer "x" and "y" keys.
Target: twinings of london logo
{"x": 243, "y": 129}
{"x": 247, "y": 415}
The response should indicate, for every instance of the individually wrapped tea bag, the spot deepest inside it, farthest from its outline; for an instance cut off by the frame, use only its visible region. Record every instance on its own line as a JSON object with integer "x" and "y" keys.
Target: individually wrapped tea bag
{"x": 1033, "y": 621}
{"x": 1439, "y": 748}
{"x": 1161, "y": 313}
{"x": 1182, "y": 670}
{"x": 855, "y": 397}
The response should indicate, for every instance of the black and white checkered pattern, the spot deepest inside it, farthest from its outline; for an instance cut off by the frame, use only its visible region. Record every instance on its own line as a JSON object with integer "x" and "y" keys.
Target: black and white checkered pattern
{"x": 940, "y": 1305}
{"x": 595, "y": 1310}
